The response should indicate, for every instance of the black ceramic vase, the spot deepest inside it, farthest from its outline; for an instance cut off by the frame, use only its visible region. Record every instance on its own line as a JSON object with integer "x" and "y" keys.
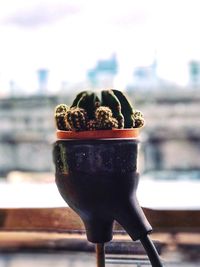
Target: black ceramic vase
{"x": 98, "y": 179}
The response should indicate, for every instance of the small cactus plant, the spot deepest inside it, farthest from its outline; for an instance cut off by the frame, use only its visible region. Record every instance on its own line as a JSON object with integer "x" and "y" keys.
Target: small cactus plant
{"x": 105, "y": 119}
{"x": 138, "y": 119}
{"x": 60, "y": 113}
{"x": 77, "y": 119}
{"x": 88, "y": 112}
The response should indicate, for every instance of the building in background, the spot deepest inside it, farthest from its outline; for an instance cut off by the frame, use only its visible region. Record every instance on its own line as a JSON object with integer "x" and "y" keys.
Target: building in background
{"x": 27, "y": 132}
{"x": 145, "y": 77}
{"x": 103, "y": 74}
{"x": 194, "y": 73}
{"x": 43, "y": 81}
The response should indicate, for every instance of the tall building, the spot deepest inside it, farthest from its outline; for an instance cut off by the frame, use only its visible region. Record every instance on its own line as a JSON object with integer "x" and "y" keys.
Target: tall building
{"x": 194, "y": 73}
{"x": 43, "y": 81}
{"x": 145, "y": 77}
{"x": 102, "y": 75}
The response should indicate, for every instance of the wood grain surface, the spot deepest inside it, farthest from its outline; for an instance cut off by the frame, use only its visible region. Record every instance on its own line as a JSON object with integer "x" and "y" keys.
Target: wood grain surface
{"x": 64, "y": 219}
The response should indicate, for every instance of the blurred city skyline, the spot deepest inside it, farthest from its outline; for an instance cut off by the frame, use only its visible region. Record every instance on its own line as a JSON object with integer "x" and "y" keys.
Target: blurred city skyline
{"x": 69, "y": 37}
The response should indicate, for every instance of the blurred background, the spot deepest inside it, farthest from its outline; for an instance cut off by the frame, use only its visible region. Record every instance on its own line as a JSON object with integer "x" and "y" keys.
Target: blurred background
{"x": 50, "y": 50}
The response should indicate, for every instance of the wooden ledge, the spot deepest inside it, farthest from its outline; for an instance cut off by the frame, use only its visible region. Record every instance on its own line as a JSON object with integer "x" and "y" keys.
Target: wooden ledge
{"x": 66, "y": 220}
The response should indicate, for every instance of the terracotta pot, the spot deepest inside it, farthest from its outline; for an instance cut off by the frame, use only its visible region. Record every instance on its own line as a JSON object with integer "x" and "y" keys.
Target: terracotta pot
{"x": 100, "y": 134}
{"x": 96, "y": 174}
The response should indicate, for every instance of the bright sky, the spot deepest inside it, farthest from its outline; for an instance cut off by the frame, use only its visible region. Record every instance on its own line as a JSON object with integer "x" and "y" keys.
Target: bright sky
{"x": 69, "y": 36}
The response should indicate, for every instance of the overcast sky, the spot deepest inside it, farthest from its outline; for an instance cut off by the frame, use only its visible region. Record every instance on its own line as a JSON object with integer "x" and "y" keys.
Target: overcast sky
{"x": 68, "y": 37}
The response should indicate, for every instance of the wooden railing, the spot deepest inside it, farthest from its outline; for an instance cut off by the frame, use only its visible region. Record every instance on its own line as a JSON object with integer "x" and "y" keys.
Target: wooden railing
{"x": 66, "y": 220}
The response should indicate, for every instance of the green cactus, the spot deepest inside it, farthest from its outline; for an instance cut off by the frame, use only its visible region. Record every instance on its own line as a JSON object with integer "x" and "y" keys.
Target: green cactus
{"x": 59, "y": 115}
{"x": 77, "y": 119}
{"x": 78, "y": 97}
{"x": 126, "y": 109}
{"x": 104, "y": 118}
{"x": 89, "y": 113}
{"x": 89, "y": 102}
{"x": 111, "y": 101}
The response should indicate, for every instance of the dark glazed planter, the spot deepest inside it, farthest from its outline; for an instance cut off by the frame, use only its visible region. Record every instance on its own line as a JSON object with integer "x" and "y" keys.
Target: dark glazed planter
{"x": 98, "y": 179}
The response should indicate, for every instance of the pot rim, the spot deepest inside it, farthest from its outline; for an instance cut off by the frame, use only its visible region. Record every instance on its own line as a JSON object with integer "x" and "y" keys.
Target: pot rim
{"x": 99, "y": 134}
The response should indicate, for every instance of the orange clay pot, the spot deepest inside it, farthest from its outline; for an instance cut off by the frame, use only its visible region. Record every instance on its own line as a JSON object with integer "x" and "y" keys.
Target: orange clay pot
{"x": 99, "y": 134}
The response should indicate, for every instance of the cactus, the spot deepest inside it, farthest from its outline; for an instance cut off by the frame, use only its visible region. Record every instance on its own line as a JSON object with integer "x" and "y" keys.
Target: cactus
{"x": 87, "y": 112}
{"x": 126, "y": 109}
{"x": 138, "y": 118}
{"x": 111, "y": 101}
{"x": 103, "y": 113}
{"x": 137, "y": 113}
{"x": 60, "y": 122}
{"x": 59, "y": 115}
{"x": 89, "y": 102}
{"x": 105, "y": 119}
{"x": 92, "y": 125}
{"x": 77, "y": 119}
{"x": 78, "y": 97}
{"x": 61, "y": 108}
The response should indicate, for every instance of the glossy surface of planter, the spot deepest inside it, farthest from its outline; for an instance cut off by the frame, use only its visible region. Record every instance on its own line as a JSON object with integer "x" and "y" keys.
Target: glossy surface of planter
{"x": 98, "y": 179}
